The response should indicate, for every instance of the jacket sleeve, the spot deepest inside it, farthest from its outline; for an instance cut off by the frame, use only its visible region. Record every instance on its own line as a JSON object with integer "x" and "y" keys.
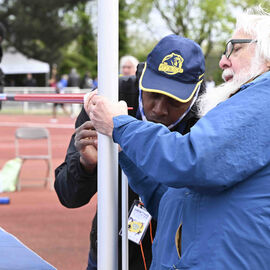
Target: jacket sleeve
{"x": 74, "y": 186}
{"x": 225, "y": 147}
{"x": 148, "y": 190}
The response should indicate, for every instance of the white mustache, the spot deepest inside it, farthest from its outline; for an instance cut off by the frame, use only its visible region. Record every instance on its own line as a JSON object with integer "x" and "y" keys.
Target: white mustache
{"x": 227, "y": 72}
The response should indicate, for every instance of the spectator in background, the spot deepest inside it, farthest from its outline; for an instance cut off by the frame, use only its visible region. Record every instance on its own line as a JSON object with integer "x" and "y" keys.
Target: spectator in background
{"x": 128, "y": 65}
{"x": 53, "y": 80}
{"x": 73, "y": 78}
{"x": 29, "y": 80}
{"x": 2, "y": 76}
{"x": 11, "y": 82}
{"x": 60, "y": 89}
{"x": 87, "y": 81}
{"x": 95, "y": 83}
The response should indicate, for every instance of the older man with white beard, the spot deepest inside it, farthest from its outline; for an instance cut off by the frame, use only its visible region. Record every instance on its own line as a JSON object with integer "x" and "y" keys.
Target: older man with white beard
{"x": 224, "y": 161}
{"x": 234, "y": 74}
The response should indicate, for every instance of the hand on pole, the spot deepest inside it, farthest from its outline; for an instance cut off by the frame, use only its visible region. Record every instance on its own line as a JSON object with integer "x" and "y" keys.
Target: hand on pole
{"x": 102, "y": 112}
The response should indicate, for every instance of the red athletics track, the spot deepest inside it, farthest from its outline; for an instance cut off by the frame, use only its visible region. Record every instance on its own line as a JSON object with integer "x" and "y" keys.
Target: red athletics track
{"x": 34, "y": 215}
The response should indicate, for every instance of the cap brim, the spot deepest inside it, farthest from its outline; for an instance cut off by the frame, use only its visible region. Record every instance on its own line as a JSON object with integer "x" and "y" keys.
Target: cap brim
{"x": 153, "y": 82}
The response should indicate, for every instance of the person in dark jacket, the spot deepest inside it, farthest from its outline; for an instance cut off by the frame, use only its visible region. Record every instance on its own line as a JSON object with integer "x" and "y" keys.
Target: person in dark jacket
{"x": 75, "y": 181}
{"x": 29, "y": 80}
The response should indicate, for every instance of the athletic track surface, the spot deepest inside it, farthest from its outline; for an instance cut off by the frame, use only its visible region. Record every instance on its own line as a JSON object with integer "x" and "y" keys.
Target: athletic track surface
{"x": 34, "y": 215}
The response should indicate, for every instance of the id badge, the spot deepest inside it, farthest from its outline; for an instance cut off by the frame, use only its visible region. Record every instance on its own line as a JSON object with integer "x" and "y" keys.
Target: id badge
{"x": 138, "y": 222}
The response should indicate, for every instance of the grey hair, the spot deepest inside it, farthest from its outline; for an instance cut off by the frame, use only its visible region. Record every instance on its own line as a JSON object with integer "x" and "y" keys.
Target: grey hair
{"x": 256, "y": 23}
{"x": 129, "y": 58}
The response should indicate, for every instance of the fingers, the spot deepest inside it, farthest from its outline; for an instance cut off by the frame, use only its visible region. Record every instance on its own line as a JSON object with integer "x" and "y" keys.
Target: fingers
{"x": 82, "y": 144}
{"x": 85, "y": 135}
{"x": 101, "y": 112}
{"x": 122, "y": 103}
{"x": 87, "y": 100}
{"x": 96, "y": 107}
{"x": 88, "y": 125}
{"x": 123, "y": 106}
{"x": 90, "y": 141}
{"x": 95, "y": 99}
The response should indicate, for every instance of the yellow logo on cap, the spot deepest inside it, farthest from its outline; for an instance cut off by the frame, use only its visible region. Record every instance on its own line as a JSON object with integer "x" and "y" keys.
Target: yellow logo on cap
{"x": 172, "y": 64}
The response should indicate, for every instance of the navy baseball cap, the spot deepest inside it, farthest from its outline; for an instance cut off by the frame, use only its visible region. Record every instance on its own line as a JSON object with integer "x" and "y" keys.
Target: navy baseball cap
{"x": 175, "y": 67}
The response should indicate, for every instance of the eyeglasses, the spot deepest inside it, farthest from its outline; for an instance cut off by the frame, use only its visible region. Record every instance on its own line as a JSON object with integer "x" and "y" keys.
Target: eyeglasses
{"x": 230, "y": 45}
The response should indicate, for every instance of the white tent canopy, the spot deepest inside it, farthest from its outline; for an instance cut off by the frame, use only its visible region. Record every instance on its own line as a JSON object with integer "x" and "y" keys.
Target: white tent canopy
{"x": 14, "y": 62}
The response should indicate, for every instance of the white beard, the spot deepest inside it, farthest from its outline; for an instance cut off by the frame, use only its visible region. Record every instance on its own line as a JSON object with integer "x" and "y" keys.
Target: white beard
{"x": 213, "y": 96}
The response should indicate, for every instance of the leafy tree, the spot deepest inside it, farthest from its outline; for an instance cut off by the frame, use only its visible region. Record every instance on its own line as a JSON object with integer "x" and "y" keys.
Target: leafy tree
{"x": 209, "y": 23}
{"x": 250, "y": 3}
{"x": 38, "y": 28}
{"x": 82, "y": 52}
{"x": 199, "y": 20}
{"x": 58, "y": 31}
{"x": 123, "y": 17}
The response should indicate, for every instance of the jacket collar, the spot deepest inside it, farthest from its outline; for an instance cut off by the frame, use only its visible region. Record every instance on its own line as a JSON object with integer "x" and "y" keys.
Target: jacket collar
{"x": 262, "y": 77}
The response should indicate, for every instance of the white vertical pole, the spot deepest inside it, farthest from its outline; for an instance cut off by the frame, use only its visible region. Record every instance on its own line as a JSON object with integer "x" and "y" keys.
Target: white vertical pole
{"x": 107, "y": 150}
{"x": 124, "y": 222}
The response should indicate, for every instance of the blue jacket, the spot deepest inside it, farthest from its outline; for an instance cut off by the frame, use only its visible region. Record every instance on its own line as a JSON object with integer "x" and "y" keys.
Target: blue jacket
{"x": 165, "y": 205}
{"x": 158, "y": 199}
{"x": 225, "y": 163}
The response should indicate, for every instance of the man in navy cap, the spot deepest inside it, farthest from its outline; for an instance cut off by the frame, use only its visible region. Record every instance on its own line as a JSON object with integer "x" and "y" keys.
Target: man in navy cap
{"x": 168, "y": 89}
{"x": 76, "y": 178}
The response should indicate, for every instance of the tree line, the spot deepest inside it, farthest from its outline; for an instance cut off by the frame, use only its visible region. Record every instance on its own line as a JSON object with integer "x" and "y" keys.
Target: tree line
{"x": 62, "y": 32}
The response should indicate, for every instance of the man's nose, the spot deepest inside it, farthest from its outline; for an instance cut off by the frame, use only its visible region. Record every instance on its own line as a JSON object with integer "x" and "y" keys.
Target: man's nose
{"x": 160, "y": 107}
{"x": 224, "y": 62}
